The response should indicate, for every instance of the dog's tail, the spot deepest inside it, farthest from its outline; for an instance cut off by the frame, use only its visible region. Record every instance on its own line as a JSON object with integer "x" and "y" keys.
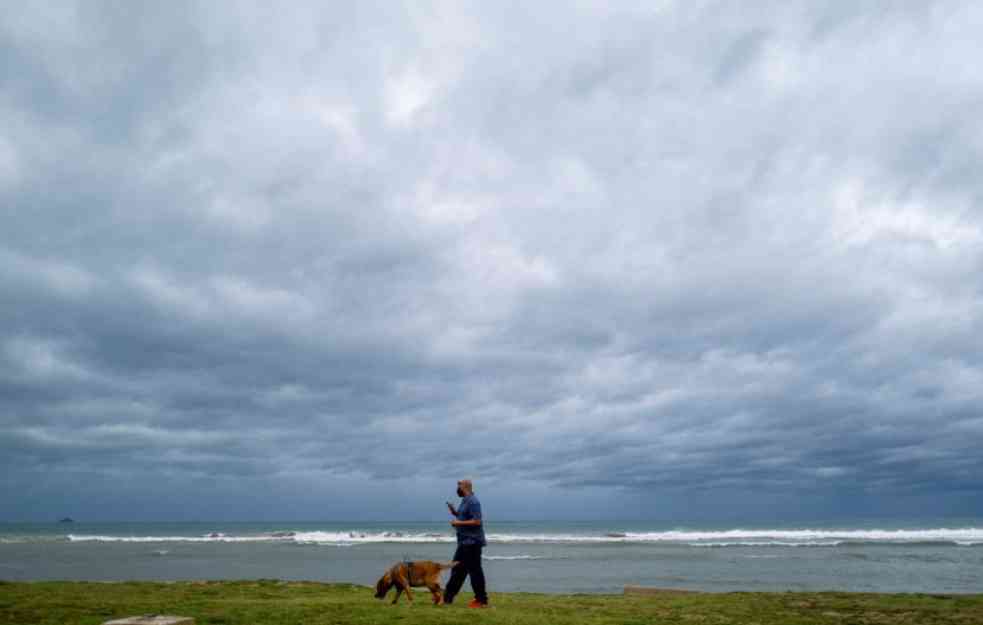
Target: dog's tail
{"x": 448, "y": 565}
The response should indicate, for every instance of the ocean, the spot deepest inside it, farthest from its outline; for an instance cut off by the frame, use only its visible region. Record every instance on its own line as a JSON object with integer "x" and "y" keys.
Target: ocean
{"x": 943, "y": 556}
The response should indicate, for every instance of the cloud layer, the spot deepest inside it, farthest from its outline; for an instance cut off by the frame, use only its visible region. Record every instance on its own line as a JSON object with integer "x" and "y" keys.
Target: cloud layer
{"x": 683, "y": 250}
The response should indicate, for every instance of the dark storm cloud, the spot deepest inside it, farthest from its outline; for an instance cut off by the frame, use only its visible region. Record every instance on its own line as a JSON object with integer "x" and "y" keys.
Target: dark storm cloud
{"x": 303, "y": 252}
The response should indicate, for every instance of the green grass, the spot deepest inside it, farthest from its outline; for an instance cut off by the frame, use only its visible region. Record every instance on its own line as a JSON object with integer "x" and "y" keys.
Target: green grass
{"x": 271, "y": 602}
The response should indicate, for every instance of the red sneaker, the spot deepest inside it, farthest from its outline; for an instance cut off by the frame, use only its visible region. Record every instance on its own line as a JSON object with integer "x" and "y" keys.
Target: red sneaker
{"x": 477, "y": 604}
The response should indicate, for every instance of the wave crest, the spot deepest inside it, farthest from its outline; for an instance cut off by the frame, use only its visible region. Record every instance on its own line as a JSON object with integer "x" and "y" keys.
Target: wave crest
{"x": 966, "y": 537}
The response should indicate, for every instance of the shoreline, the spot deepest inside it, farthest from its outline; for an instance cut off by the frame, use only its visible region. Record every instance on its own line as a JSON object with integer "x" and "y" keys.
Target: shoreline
{"x": 553, "y": 558}
{"x": 629, "y": 590}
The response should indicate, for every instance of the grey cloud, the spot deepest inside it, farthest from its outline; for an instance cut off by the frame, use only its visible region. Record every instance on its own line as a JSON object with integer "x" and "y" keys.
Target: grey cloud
{"x": 679, "y": 250}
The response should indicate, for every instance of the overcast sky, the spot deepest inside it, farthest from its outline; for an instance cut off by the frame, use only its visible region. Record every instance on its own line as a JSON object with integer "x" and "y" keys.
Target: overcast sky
{"x": 641, "y": 260}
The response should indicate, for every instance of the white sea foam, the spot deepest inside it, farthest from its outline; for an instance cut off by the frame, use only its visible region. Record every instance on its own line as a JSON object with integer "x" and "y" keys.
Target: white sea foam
{"x": 969, "y": 536}
{"x": 814, "y": 535}
{"x": 768, "y": 543}
{"x": 357, "y": 537}
{"x": 220, "y": 538}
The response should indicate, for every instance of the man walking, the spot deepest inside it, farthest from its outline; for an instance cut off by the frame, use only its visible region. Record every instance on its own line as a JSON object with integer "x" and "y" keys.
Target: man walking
{"x": 470, "y": 540}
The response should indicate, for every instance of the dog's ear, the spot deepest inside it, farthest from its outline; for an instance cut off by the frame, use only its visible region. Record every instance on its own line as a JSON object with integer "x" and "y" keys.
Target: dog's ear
{"x": 382, "y": 586}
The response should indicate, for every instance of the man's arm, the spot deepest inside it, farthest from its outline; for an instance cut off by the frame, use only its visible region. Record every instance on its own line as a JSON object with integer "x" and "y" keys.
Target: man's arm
{"x": 468, "y": 523}
{"x": 473, "y": 510}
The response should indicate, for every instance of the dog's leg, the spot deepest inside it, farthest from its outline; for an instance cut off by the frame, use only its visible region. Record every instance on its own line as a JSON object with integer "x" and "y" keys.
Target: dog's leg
{"x": 438, "y": 596}
{"x": 404, "y": 585}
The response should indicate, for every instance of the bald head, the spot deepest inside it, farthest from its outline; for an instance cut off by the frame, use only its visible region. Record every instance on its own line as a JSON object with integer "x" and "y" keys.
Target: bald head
{"x": 464, "y": 488}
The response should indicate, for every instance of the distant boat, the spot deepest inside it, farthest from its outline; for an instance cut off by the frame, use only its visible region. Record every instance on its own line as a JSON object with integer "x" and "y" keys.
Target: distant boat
{"x": 67, "y": 519}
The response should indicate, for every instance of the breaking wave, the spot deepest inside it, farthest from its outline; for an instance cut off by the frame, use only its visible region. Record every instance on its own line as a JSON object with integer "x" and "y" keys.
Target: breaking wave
{"x": 967, "y": 537}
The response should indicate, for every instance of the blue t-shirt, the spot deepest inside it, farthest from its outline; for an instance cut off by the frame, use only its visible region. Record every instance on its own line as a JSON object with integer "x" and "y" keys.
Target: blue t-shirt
{"x": 469, "y": 509}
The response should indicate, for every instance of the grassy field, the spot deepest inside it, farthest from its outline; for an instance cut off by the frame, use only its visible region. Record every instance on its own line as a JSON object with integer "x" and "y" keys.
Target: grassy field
{"x": 270, "y": 602}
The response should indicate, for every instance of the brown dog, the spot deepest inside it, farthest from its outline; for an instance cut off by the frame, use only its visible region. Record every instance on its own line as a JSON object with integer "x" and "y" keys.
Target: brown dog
{"x": 402, "y": 575}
